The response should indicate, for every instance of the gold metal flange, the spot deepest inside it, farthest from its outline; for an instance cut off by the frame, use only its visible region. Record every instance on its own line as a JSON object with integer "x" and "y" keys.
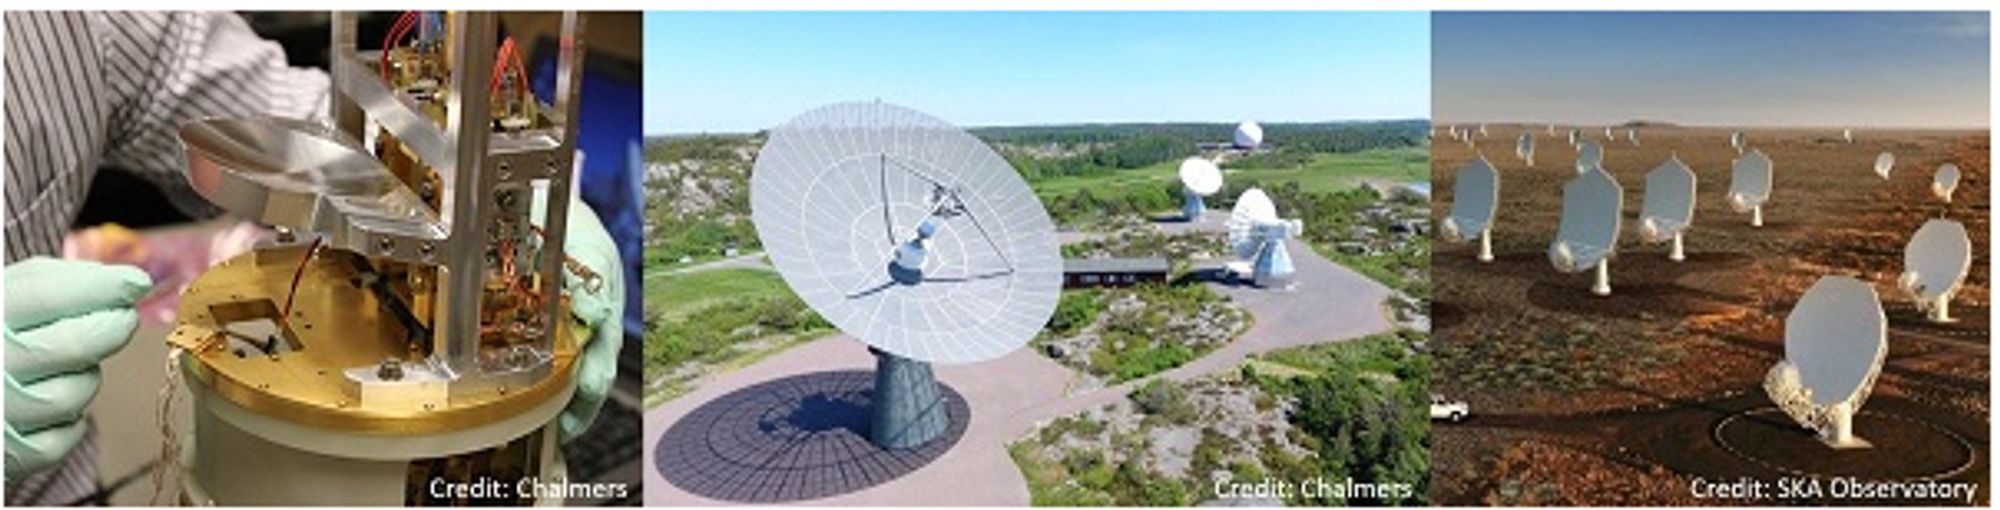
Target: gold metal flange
{"x": 336, "y": 324}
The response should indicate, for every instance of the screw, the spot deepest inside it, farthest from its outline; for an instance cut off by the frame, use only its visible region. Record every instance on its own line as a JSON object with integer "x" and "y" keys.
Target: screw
{"x": 390, "y": 370}
{"x": 506, "y": 170}
{"x": 428, "y": 249}
{"x": 285, "y": 235}
{"x": 385, "y": 244}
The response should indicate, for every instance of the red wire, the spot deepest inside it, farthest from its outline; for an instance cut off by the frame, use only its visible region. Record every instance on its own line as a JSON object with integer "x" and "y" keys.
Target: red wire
{"x": 293, "y": 292}
{"x": 396, "y": 32}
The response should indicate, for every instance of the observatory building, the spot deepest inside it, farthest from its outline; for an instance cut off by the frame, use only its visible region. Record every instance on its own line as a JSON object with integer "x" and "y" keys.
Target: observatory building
{"x": 1114, "y": 272}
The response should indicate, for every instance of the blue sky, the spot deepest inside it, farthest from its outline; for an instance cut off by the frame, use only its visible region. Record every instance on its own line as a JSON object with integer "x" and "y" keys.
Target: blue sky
{"x": 739, "y": 72}
{"x": 1737, "y": 69}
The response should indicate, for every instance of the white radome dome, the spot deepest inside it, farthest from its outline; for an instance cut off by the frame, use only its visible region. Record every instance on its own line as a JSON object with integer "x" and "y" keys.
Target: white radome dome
{"x": 1249, "y": 135}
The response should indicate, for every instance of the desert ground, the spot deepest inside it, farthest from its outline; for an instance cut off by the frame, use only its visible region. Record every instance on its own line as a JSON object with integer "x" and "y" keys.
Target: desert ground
{"x": 1627, "y": 399}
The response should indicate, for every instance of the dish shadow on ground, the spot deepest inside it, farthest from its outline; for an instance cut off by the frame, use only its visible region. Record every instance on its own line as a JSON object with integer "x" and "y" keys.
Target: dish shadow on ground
{"x": 792, "y": 439}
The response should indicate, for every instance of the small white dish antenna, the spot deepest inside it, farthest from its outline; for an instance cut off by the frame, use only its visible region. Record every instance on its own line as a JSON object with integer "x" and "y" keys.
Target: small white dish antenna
{"x": 1736, "y": 141}
{"x": 1257, "y": 236}
{"x": 1525, "y": 148}
{"x": 1552, "y": 129}
{"x": 1750, "y": 185}
{"x": 1835, "y": 340}
{"x": 1945, "y": 182}
{"x": 1588, "y": 235}
{"x": 1589, "y": 156}
{"x": 1475, "y": 195}
{"x": 1574, "y": 134}
{"x": 1847, "y": 135}
{"x": 1934, "y": 266}
{"x": 1667, "y": 209}
{"x": 1199, "y": 178}
{"x": 1608, "y": 135}
{"x": 1632, "y": 134}
{"x": 1248, "y": 136}
{"x": 1884, "y": 163}
{"x": 1482, "y": 130}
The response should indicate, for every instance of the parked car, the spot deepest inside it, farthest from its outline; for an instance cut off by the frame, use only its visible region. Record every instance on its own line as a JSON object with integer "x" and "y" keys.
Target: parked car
{"x": 1447, "y": 409}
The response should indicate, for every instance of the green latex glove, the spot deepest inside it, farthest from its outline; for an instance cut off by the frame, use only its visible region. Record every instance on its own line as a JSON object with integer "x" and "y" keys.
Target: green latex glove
{"x": 63, "y": 317}
{"x": 600, "y": 305}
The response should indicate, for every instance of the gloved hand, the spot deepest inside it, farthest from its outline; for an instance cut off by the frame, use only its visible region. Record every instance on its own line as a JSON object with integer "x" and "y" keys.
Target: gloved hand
{"x": 600, "y": 305}
{"x": 62, "y": 318}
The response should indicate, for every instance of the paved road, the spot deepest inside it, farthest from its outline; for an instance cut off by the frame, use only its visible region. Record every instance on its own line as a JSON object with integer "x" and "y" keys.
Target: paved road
{"x": 1015, "y": 394}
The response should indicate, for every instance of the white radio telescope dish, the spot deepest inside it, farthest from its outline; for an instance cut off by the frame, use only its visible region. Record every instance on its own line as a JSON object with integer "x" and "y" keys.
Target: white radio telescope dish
{"x": 906, "y": 232}
{"x": 1884, "y": 163}
{"x": 1835, "y": 340}
{"x": 1199, "y": 178}
{"x": 1668, "y": 206}
{"x": 1847, "y": 134}
{"x": 1608, "y": 135}
{"x": 1632, "y": 134}
{"x": 1750, "y": 185}
{"x": 1588, "y": 235}
{"x": 1589, "y": 156}
{"x": 1525, "y": 148}
{"x": 1736, "y": 141}
{"x": 1482, "y": 130}
{"x": 1248, "y": 136}
{"x": 1475, "y": 196}
{"x": 1945, "y": 182}
{"x": 1573, "y": 136}
{"x": 1935, "y": 264}
{"x": 1257, "y": 236}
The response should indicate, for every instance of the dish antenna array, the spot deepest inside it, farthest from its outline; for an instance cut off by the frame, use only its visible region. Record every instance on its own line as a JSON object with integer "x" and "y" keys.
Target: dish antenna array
{"x": 912, "y": 236}
{"x": 1257, "y": 236}
{"x": 1525, "y": 148}
{"x": 1945, "y": 182}
{"x": 1668, "y": 207}
{"x": 1609, "y": 136}
{"x": 1934, "y": 266}
{"x": 1835, "y": 340}
{"x": 1884, "y": 163}
{"x": 1750, "y": 185}
{"x": 1588, "y": 235}
{"x": 1199, "y": 178}
{"x": 1475, "y": 197}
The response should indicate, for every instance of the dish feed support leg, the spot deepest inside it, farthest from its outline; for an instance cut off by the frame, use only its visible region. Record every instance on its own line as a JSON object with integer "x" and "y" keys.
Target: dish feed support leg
{"x": 1679, "y": 253}
{"x": 1486, "y": 245}
{"x": 1757, "y": 216}
{"x": 908, "y": 410}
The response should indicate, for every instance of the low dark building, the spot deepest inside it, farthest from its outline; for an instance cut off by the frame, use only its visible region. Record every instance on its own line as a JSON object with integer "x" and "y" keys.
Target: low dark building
{"x": 1079, "y": 273}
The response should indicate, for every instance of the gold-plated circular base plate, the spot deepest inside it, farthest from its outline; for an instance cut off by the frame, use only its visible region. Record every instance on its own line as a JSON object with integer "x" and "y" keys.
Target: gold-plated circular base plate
{"x": 337, "y": 323}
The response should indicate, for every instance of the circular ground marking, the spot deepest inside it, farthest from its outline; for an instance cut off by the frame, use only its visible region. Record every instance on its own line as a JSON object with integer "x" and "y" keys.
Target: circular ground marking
{"x": 1905, "y": 448}
{"x": 792, "y": 439}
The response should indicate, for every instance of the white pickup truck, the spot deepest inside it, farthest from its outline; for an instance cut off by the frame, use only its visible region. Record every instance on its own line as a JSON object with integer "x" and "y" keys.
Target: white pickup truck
{"x": 1446, "y": 409}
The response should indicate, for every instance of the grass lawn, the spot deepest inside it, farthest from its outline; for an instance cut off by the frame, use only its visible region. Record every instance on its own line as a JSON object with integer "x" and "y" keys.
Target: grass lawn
{"x": 1326, "y": 172}
{"x": 677, "y": 294}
